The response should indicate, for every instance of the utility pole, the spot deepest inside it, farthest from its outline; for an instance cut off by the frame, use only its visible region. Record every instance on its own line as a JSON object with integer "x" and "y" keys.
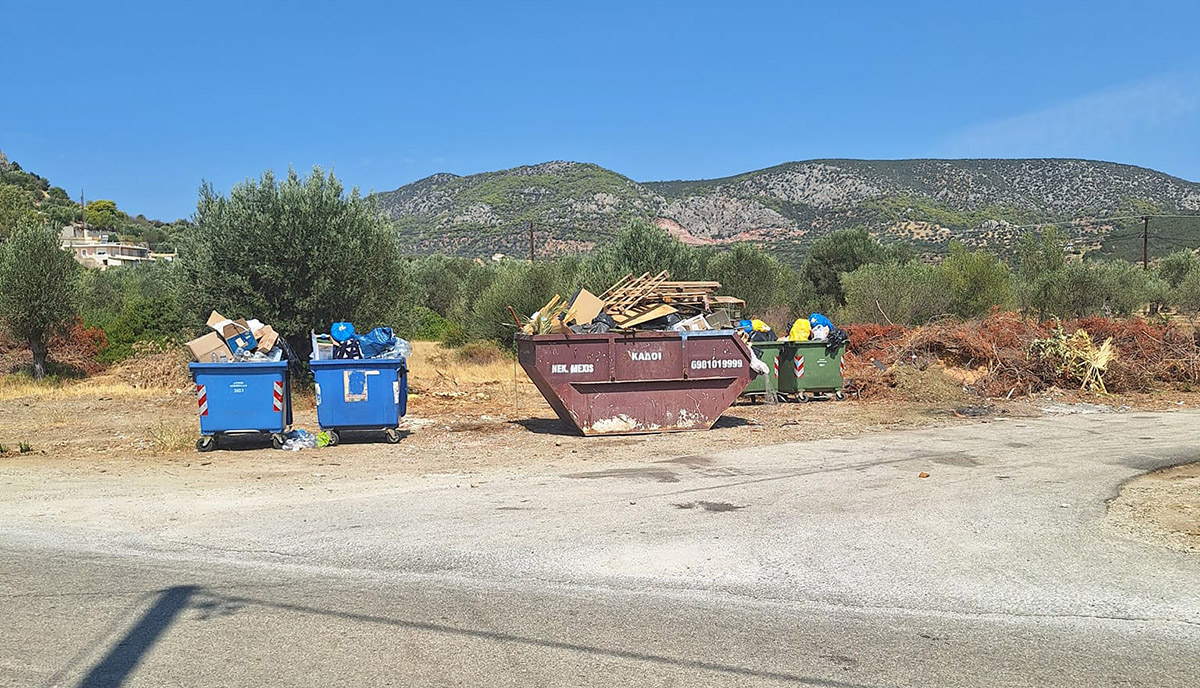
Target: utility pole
{"x": 1145, "y": 242}
{"x": 531, "y": 257}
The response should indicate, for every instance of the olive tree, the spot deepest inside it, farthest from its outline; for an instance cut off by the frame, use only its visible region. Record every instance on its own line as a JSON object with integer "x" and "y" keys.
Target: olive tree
{"x": 38, "y": 295}
{"x": 299, "y": 254}
{"x": 640, "y": 247}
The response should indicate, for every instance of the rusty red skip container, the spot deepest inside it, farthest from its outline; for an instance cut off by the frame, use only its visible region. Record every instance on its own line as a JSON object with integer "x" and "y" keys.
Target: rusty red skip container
{"x": 619, "y": 383}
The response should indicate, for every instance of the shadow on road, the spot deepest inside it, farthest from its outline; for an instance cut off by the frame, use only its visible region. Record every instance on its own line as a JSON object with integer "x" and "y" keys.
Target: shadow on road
{"x": 680, "y": 662}
{"x": 124, "y": 657}
{"x": 116, "y": 667}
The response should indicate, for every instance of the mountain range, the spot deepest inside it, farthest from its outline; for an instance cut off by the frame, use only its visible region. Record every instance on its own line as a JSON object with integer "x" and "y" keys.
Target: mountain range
{"x": 981, "y": 202}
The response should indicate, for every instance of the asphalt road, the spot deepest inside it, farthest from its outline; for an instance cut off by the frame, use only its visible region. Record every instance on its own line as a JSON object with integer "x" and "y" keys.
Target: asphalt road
{"x": 828, "y": 563}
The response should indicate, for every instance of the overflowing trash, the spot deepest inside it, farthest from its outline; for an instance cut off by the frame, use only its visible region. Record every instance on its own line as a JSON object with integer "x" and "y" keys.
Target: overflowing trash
{"x": 237, "y": 341}
{"x": 635, "y": 303}
{"x": 343, "y": 343}
{"x": 756, "y": 330}
{"x": 801, "y": 331}
{"x": 816, "y": 328}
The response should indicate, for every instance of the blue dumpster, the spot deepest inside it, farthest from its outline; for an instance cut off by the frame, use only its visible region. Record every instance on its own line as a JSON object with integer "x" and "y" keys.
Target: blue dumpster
{"x": 361, "y": 394}
{"x": 242, "y": 398}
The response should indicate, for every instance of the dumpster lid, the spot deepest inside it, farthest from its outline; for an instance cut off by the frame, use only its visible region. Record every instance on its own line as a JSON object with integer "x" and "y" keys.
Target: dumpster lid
{"x": 260, "y": 365}
{"x": 358, "y": 363}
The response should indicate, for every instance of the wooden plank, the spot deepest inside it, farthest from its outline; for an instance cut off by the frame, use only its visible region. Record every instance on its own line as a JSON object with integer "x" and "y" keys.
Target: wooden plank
{"x": 617, "y": 285}
{"x": 544, "y": 311}
{"x": 652, "y": 314}
{"x": 649, "y": 286}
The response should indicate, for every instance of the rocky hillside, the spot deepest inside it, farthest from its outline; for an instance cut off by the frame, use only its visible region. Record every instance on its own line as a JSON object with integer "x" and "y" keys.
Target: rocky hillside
{"x": 929, "y": 202}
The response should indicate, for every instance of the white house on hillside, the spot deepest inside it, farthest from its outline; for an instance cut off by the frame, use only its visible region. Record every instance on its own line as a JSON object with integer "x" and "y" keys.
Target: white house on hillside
{"x": 95, "y": 249}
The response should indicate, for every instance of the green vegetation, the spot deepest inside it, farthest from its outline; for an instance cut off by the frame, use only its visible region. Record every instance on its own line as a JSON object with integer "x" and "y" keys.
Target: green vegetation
{"x": 135, "y": 304}
{"x": 302, "y": 252}
{"x": 38, "y": 294}
{"x": 845, "y": 251}
{"x": 299, "y": 253}
{"x": 902, "y": 293}
{"x": 27, "y": 196}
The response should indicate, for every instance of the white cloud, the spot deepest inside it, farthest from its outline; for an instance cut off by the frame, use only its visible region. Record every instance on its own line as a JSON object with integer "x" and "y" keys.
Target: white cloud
{"x": 1082, "y": 124}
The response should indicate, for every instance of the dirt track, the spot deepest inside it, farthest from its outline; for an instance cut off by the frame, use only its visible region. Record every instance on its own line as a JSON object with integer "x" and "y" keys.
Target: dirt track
{"x": 467, "y": 426}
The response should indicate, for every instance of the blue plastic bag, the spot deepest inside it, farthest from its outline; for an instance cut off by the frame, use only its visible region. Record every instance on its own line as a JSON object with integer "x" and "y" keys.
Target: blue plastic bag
{"x": 817, "y": 319}
{"x": 376, "y": 341}
{"x": 341, "y": 331}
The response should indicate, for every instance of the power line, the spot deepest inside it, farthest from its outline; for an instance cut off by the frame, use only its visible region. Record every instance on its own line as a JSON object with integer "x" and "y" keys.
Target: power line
{"x": 1098, "y": 220}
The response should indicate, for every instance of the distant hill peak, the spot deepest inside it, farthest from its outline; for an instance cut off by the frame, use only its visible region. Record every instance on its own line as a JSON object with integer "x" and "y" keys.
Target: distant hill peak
{"x": 927, "y": 201}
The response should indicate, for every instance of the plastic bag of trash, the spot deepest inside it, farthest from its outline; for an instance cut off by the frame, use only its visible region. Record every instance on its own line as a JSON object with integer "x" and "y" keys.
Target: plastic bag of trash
{"x": 801, "y": 330}
{"x": 299, "y": 439}
{"x": 375, "y": 342}
{"x": 757, "y": 364}
{"x": 400, "y": 349}
{"x": 341, "y": 331}
{"x": 817, "y": 320}
{"x": 836, "y": 339}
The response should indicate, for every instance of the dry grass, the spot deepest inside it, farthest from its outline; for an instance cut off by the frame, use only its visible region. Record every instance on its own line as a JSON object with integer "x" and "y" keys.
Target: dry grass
{"x": 155, "y": 366}
{"x": 19, "y": 387}
{"x": 431, "y": 367}
{"x": 434, "y": 366}
{"x": 931, "y": 385}
{"x": 166, "y": 439}
{"x": 154, "y": 369}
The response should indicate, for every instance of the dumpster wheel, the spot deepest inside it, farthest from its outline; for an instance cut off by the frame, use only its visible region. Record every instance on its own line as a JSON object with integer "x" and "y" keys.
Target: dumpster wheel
{"x": 206, "y": 443}
{"x": 277, "y": 440}
{"x": 393, "y": 435}
{"x": 334, "y": 438}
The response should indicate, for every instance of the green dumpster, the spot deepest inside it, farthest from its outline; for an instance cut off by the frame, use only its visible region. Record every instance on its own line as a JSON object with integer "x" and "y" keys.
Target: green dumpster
{"x": 780, "y": 378}
{"x": 816, "y": 370}
{"x": 797, "y": 370}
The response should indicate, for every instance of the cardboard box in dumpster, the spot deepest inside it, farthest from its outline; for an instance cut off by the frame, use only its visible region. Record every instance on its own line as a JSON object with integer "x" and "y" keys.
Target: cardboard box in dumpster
{"x": 266, "y": 338}
{"x": 210, "y": 348}
{"x": 236, "y": 333}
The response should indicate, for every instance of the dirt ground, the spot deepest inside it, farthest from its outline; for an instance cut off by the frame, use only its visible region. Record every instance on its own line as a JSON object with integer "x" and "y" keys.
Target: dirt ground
{"x": 467, "y": 417}
{"x": 1162, "y": 507}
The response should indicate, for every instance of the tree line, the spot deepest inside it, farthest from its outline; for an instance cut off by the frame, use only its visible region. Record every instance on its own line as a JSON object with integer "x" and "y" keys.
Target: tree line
{"x": 303, "y": 252}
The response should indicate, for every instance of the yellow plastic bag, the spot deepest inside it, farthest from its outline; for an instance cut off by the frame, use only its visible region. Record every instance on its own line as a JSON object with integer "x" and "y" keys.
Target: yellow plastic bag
{"x": 801, "y": 329}
{"x": 759, "y": 326}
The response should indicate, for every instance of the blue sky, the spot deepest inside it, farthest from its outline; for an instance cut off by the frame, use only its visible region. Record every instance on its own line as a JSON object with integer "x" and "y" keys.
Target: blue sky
{"x": 140, "y": 102}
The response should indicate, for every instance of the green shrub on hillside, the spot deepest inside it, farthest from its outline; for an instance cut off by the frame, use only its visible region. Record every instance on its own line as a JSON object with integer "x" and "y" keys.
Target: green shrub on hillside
{"x": 638, "y": 248}
{"x": 136, "y": 304}
{"x": 1187, "y": 295}
{"x": 902, "y": 293}
{"x": 978, "y": 281}
{"x": 844, "y": 251}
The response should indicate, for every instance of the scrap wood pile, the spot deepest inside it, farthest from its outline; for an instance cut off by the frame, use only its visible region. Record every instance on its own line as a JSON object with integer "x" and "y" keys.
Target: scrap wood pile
{"x": 645, "y": 302}
{"x": 1005, "y": 355}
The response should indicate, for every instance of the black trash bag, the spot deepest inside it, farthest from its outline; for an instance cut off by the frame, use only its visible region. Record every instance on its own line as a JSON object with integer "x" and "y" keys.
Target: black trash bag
{"x": 296, "y": 366}
{"x": 837, "y": 337}
{"x": 662, "y": 324}
{"x": 599, "y": 325}
{"x": 768, "y": 336}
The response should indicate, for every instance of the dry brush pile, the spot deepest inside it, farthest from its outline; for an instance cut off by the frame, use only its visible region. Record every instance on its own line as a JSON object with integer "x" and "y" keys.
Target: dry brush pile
{"x": 1005, "y": 354}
